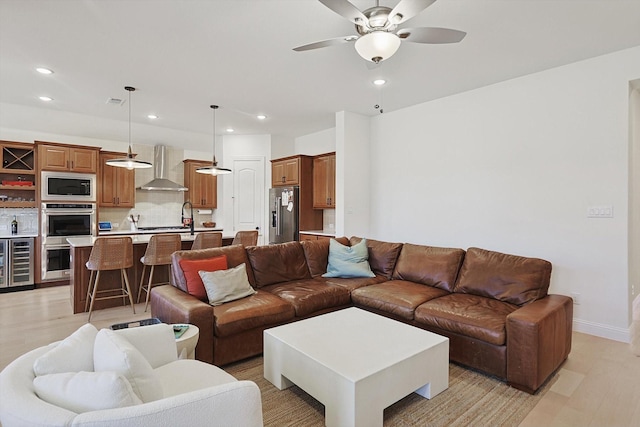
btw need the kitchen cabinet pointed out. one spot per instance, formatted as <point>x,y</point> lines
<point>116,186</point>
<point>67,158</point>
<point>305,236</point>
<point>298,171</point>
<point>203,188</point>
<point>286,171</point>
<point>17,175</point>
<point>324,181</point>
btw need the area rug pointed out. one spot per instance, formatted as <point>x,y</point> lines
<point>472,399</point>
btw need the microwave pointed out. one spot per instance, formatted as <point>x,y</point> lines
<point>68,186</point>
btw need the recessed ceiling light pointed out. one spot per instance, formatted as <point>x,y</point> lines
<point>379,82</point>
<point>261,116</point>
<point>152,116</point>
<point>43,70</point>
<point>230,130</point>
<point>45,98</point>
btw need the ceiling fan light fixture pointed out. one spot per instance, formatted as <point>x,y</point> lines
<point>129,161</point>
<point>214,169</point>
<point>377,46</point>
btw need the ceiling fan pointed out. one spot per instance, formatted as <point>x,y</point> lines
<point>377,27</point>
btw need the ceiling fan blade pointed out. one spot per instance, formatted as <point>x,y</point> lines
<point>431,35</point>
<point>346,9</point>
<point>407,9</point>
<point>325,43</point>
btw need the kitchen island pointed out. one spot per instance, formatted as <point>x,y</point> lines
<point>79,276</point>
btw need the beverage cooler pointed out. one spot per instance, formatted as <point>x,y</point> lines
<point>16,262</point>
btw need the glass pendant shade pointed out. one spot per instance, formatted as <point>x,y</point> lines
<point>377,46</point>
<point>129,161</point>
<point>214,169</point>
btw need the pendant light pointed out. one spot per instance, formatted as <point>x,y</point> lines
<point>214,169</point>
<point>129,162</point>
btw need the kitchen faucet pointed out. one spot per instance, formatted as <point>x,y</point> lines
<point>191,226</point>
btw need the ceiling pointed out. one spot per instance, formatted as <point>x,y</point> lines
<point>183,55</point>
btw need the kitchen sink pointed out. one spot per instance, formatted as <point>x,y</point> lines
<point>168,227</point>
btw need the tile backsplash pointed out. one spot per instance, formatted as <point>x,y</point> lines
<point>156,208</point>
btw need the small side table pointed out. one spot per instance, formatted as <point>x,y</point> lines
<point>188,341</point>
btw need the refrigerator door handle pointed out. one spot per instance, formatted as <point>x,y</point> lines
<point>278,231</point>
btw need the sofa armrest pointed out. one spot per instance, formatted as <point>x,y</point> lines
<point>231,404</point>
<point>171,305</point>
<point>538,340</point>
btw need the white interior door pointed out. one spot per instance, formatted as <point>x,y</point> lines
<point>248,195</point>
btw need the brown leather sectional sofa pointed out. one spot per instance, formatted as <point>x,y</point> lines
<point>493,307</point>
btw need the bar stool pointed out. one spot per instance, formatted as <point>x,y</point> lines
<point>211,239</point>
<point>109,253</point>
<point>158,252</point>
<point>246,238</point>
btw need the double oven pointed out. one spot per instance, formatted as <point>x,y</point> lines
<point>68,210</point>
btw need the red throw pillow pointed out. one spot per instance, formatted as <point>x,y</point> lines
<point>190,268</point>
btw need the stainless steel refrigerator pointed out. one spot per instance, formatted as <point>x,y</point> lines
<point>283,204</point>
<point>16,262</point>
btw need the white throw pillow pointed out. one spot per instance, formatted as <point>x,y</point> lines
<point>86,391</point>
<point>113,352</point>
<point>73,354</point>
<point>226,285</point>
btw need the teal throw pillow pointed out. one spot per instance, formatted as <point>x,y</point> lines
<point>348,261</point>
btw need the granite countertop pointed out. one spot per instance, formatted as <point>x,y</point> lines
<point>328,233</point>
<point>5,235</point>
<point>87,241</point>
<point>170,230</point>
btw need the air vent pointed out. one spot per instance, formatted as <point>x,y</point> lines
<point>115,101</point>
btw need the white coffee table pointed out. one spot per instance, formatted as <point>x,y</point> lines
<point>356,363</point>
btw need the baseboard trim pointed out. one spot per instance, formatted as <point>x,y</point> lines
<point>603,331</point>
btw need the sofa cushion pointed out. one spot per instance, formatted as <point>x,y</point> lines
<point>278,263</point>
<point>235,254</point>
<point>311,295</point>
<point>113,352</point>
<point>382,255</point>
<point>397,297</point>
<point>353,282</point>
<point>86,391</point>
<point>156,343</point>
<point>469,315</point>
<point>429,265</point>
<point>316,252</point>
<point>226,285</point>
<point>191,269</point>
<point>73,354</point>
<point>348,261</point>
<point>262,309</point>
<point>510,278</point>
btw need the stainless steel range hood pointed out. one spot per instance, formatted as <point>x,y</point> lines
<point>160,181</point>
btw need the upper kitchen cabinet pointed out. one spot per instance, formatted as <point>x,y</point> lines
<point>203,188</point>
<point>116,185</point>
<point>324,181</point>
<point>67,158</point>
<point>17,175</point>
<point>286,171</point>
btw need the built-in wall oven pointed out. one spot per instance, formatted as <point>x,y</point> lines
<point>60,221</point>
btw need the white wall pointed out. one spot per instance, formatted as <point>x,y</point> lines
<point>513,167</point>
<point>316,143</point>
<point>353,178</point>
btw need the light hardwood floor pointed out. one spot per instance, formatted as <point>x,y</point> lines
<point>599,385</point>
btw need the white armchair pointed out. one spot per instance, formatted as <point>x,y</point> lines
<point>178,392</point>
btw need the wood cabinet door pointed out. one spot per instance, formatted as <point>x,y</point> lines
<point>83,160</point>
<point>291,171</point>
<point>53,158</point>
<point>324,182</point>
<point>116,185</point>
<point>277,174</point>
<point>307,237</point>
<point>203,188</point>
